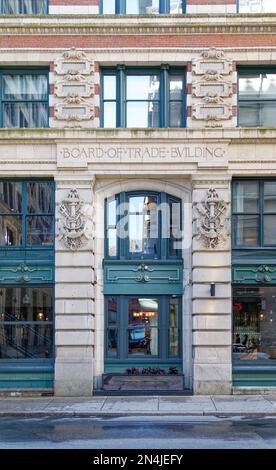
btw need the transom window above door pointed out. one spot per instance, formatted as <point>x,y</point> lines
<point>24,7</point>
<point>143,225</point>
<point>142,7</point>
<point>143,97</point>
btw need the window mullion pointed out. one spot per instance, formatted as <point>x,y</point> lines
<point>24,212</point>
<point>261,214</point>
<point>121,101</point>
<point>164,96</point>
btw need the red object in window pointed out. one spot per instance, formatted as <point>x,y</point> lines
<point>237,307</point>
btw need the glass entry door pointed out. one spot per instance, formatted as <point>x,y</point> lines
<point>143,328</point>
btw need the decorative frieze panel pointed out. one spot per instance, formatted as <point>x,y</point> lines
<point>26,274</point>
<point>153,278</point>
<point>76,221</point>
<point>254,274</point>
<point>74,89</point>
<point>211,218</point>
<point>212,89</point>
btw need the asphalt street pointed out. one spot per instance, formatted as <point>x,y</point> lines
<point>138,433</point>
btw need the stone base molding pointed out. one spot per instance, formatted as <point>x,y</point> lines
<point>212,370</point>
<point>74,294</point>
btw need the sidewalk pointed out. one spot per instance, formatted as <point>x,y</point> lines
<point>256,405</point>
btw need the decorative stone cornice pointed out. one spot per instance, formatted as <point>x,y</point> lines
<point>94,25</point>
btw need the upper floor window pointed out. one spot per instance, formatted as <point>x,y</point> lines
<point>254,213</point>
<point>24,98</point>
<point>256,6</point>
<point>142,7</point>
<point>134,97</point>
<point>143,225</point>
<point>257,97</point>
<point>24,7</point>
<point>26,213</point>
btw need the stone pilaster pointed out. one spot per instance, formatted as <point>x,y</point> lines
<point>74,291</point>
<point>211,264</point>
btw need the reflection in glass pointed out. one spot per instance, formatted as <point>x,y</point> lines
<point>174,327</point>
<point>25,323</point>
<point>257,6</point>
<point>26,304</point>
<point>269,230</point>
<point>10,230</point>
<point>25,87</point>
<point>175,114</point>
<point>142,114</point>
<point>26,341</point>
<point>10,196</point>
<point>109,114</point>
<point>109,87</point>
<point>143,225</point>
<point>112,342</point>
<point>142,7</point>
<point>39,197</point>
<point>254,331</point>
<point>108,7</point>
<point>246,197</point>
<point>257,114</point>
<point>269,196</point>
<point>143,326</point>
<point>176,6</point>
<point>247,230</point>
<point>25,115</point>
<point>40,230</point>
<point>175,235</point>
<point>142,87</point>
<point>24,7</point>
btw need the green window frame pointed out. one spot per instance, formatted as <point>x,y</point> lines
<point>256,221</point>
<point>169,223</point>
<point>36,108</point>
<point>168,329</point>
<point>20,214</point>
<point>119,7</point>
<point>118,102</point>
<point>23,7</point>
<point>257,106</point>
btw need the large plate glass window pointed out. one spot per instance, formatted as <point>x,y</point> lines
<point>26,322</point>
<point>143,98</point>
<point>254,325</point>
<point>26,213</point>
<point>24,98</point>
<point>142,7</point>
<point>257,97</point>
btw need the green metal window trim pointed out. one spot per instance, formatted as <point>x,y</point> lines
<point>163,331</point>
<point>164,7</point>
<point>46,2</point>
<point>24,214</point>
<point>123,244</point>
<point>165,71</point>
<point>244,69</point>
<point>260,214</point>
<point>24,71</point>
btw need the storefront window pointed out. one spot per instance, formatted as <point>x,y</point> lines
<point>26,322</point>
<point>143,326</point>
<point>254,325</point>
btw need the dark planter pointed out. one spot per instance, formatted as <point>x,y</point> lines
<point>147,383</point>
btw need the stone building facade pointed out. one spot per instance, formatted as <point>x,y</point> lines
<point>102,105</point>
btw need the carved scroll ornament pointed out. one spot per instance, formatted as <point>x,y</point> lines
<point>212,220</point>
<point>76,226</point>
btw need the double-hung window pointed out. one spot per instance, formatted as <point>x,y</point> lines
<point>142,7</point>
<point>254,213</point>
<point>257,96</point>
<point>23,7</point>
<point>24,96</point>
<point>150,97</point>
<point>256,6</point>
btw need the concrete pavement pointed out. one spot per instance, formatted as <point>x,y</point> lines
<point>236,405</point>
